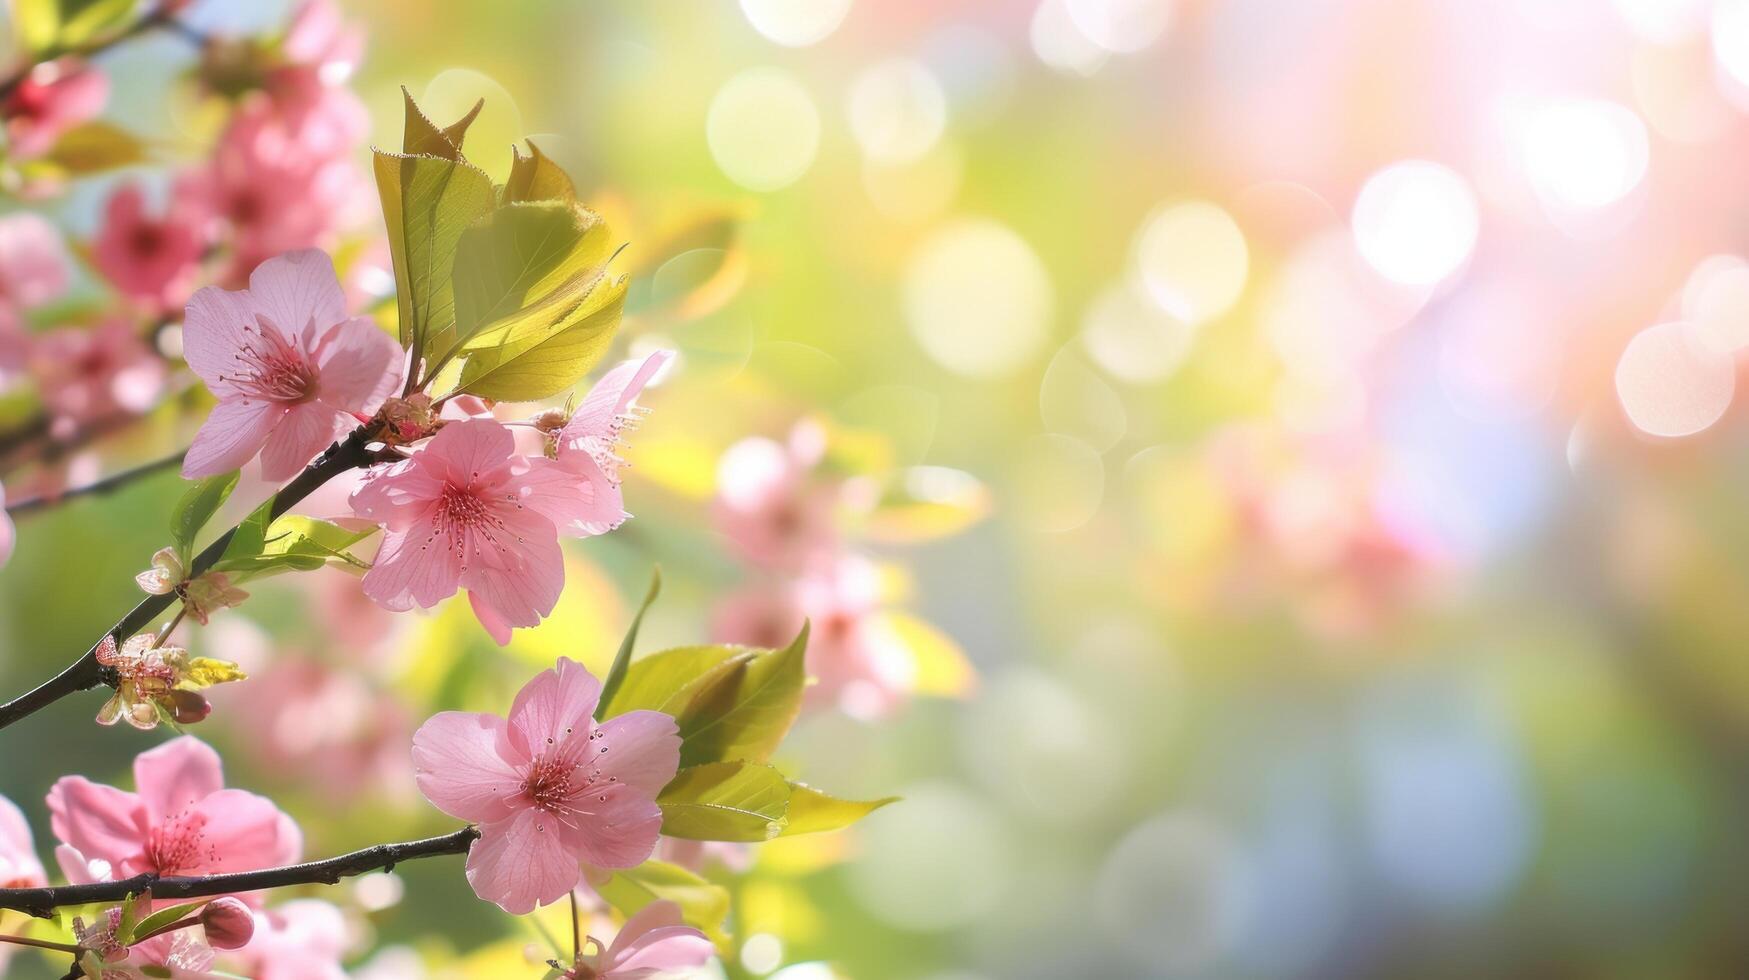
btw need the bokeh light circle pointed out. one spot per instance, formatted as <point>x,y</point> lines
<point>763,129</point>
<point>1173,894</point>
<point>1058,483</point>
<point>1192,259</point>
<point>1060,44</point>
<point>1415,222</point>
<point>795,23</point>
<point>1131,339</point>
<point>977,298</point>
<point>935,864</point>
<point>1671,385</point>
<point>1715,303</point>
<point>897,110</point>
<point>1584,154</point>
<point>1120,25</point>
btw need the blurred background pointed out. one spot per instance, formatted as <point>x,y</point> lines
<point>1294,441</point>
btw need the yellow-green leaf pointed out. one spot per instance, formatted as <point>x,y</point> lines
<point>422,137</point>
<point>86,20</point>
<point>811,811</point>
<point>537,178</point>
<point>744,712</point>
<point>666,681</point>
<point>197,506</point>
<point>519,254</point>
<point>731,801</point>
<point>201,672</point>
<point>616,673</point>
<point>96,146</point>
<point>703,905</point>
<point>546,348</point>
<point>36,23</point>
<point>428,201</point>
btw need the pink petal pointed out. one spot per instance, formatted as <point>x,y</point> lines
<point>643,750</point>
<point>242,832</point>
<point>34,268</point>
<point>298,291</point>
<point>8,534</point>
<point>556,704</point>
<point>463,765</point>
<point>521,862</point>
<point>14,829</point>
<point>518,573</point>
<point>176,775</point>
<point>655,941</point>
<point>18,860</point>
<point>297,437</point>
<point>100,821</point>
<point>471,449</point>
<point>573,492</point>
<point>417,566</point>
<point>213,334</point>
<point>395,494</point>
<point>359,366</point>
<point>612,395</point>
<point>490,620</point>
<point>620,832</point>
<point>79,869</point>
<point>233,433</point>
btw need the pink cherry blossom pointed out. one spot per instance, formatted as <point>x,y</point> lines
<point>56,96</point>
<point>182,821</point>
<point>549,787</point>
<point>651,943</point>
<point>154,260</point>
<point>227,923</point>
<point>176,955</point>
<point>585,447</point>
<point>290,370</point>
<point>34,268</point>
<point>465,512</point>
<point>771,507</point>
<point>86,374</point>
<point>19,865</point>
<point>7,532</point>
<point>303,939</point>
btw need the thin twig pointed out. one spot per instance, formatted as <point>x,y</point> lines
<point>86,673</point>
<point>42,902</point>
<point>114,481</point>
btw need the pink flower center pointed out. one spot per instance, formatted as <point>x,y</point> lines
<point>269,367</point>
<point>560,777</point>
<point>464,515</point>
<point>180,844</point>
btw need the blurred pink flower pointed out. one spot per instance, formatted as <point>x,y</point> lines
<point>856,661</point>
<point>8,534</point>
<point>181,822</point>
<point>702,855</point>
<point>549,788</point>
<point>84,374</point>
<point>652,942</point>
<point>290,370</point>
<point>56,96</point>
<point>19,865</point>
<point>34,268</point>
<point>303,939</point>
<point>465,512</point>
<point>770,506</point>
<point>586,446</point>
<point>330,727</point>
<point>154,260</point>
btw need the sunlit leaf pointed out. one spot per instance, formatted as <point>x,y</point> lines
<point>96,146</point>
<point>520,254</point>
<point>742,713</point>
<point>703,905</point>
<point>36,23</point>
<point>157,920</point>
<point>811,811</point>
<point>928,502</point>
<point>666,681</point>
<point>939,667</point>
<point>84,20</point>
<point>201,672</point>
<point>730,801</point>
<point>428,201</point>
<point>536,178</point>
<point>422,137</point>
<point>198,505</point>
<point>540,351</point>
<point>616,674</point>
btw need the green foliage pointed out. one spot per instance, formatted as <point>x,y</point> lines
<point>159,919</point>
<point>511,281</point>
<point>729,801</point>
<point>47,26</point>
<point>95,147</point>
<point>197,506</point>
<point>702,904</point>
<point>666,681</point>
<point>616,674</point>
<point>811,811</point>
<point>745,710</point>
<point>293,542</point>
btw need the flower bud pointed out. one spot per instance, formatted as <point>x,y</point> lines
<point>187,707</point>
<point>227,922</point>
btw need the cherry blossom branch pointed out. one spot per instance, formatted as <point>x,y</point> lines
<point>86,673</point>
<point>163,16</point>
<point>42,902</point>
<point>114,481</point>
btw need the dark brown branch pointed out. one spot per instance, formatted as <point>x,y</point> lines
<point>114,481</point>
<point>42,902</point>
<point>86,673</point>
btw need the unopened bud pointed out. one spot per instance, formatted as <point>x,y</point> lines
<point>188,707</point>
<point>228,923</point>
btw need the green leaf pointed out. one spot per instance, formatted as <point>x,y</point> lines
<point>743,712</point>
<point>428,201</point>
<point>291,543</point>
<point>250,536</point>
<point>36,23</point>
<point>540,351</point>
<point>198,505</point>
<point>85,20</point>
<point>422,137</point>
<point>667,681</point>
<point>811,811</point>
<point>163,917</point>
<point>703,905</point>
<point>616,674</point>
<point>732,801</point>
<point>520,254</point>
<point>96,146</point>
<point>536,178</point>
<point>204,672</point>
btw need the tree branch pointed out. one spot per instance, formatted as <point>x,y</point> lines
<point>42,902</point>
<point>114,481</point>
<point>161,17</point>
<point>86,673</point>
